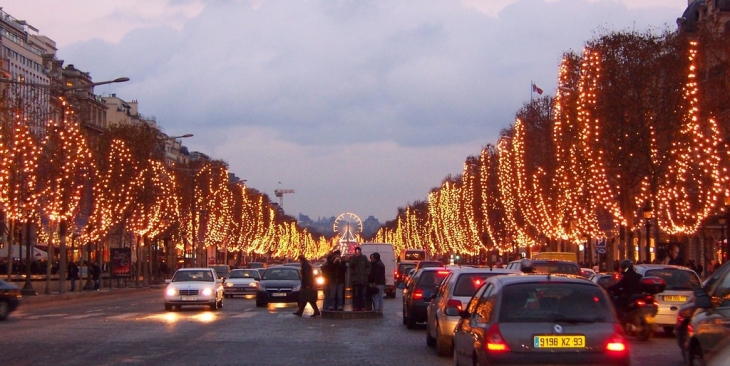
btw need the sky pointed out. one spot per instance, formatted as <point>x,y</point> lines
<point>358,106</point>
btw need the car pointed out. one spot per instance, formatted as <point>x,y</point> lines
<point>255,265</point>
<point>318,276</point>
<point>9,299</point>
<point>545,266</point>
<point>241,282</point>
<point>221,270</point>
<point>604,279</point>
<point>194,286</point>
<point>587,272</point>
<point>702,330</point>
<point>539,319</point>
<point>401,272</point>
<point>455,291</point>
<point>418,293</point>
<point>279,284</point>
<point>681,283</point>
<point>426,264</point>
<point>261,271</point>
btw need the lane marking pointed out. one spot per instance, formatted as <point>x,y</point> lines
<point>84,316</point>
<point>123,316</point>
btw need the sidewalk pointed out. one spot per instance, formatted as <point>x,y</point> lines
<point>43,298</point>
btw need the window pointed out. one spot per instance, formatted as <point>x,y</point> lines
<point>677,279</point>
<point>485,306</point>
<point>552,302</point>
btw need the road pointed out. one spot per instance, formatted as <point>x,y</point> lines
<point>134,329</point>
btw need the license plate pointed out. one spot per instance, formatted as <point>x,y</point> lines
<point>675,298</point>
<point>189,298</point>
<point>278,294</point>
<point>562,341</point>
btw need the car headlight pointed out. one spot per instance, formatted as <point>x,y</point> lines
<point>229,284</point>
<point>206,291</point>
<point>253,284</point>
<point>297,288</point>
<point>320,280</point>
<point>171,291</point>
<point>316,272</point>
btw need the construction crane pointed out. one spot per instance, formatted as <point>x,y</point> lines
<point>280,193</point>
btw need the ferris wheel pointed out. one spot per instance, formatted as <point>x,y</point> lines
<point>347,227</point>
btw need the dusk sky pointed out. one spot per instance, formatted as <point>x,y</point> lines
<point>359,106</point>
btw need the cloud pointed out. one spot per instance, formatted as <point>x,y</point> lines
<point>352,103</point>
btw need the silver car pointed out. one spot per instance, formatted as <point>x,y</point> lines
<point>241,282</point>
<point>455,291</point>
<point>681,283</point>
<point>194,286</point>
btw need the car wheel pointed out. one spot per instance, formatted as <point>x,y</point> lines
<point>696,358</point>
<point>168,307</point>
<point>443,348</point>
<point>4,310</point>
<point>668,331</point>
<point>430,341</point>
<point>645,331</point>
<point>214,305</point>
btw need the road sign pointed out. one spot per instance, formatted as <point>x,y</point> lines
<point>601,243</point>
<point>600,250</point>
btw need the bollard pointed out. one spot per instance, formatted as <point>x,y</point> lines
<point>348,290</point>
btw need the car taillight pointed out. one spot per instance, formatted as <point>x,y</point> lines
<point>442,273</point>
<point>617,343</point>
<point>418,294</point>
<point>640,303</point>
<point>453,303</point>
<point>494,341</point>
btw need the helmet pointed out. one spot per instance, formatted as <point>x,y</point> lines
<point>626,265</point>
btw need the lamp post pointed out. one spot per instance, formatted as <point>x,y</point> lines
<point>28,287</point>
<point>647,219</point>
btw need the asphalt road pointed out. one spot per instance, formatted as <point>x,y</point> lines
<point>132,328</point>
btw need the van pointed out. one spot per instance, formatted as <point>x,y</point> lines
<point>387,256</point>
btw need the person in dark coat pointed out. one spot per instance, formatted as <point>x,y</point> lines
<point>308,292</point>
<point>359,272</point>
<point>335,273</point>
<point>377,281</point>
<point>627,286</point>
<point>96,275</point>
<point>73,274</point>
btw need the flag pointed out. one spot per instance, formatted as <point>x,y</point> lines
<point>536,89</point>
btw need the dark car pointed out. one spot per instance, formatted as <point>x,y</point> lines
<point>428,264</point>
<point>9,299</point>
<point>539,319</point>
<point>401,272</point>
<point>221,270</point>
<point>546,266</point>
<point>418,292</point>
<point>702,322</point>
<point>279,284</point>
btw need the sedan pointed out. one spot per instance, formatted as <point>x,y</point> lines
<point>455,291</point>
<point>194,286</point>
<point>241,282</point>
<point>280,284</point>
<point>9,299</point>
<point>681,283</point>
<point>539,319</point>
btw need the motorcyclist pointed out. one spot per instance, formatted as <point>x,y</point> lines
<point>627,286</point>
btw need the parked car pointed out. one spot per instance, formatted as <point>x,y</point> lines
<point>455,291</point>
<point>418,293</point>
<point>681,283</point>
<point>702,323</point>
<point>539,319</point>
<point>279,284</point>
<point>194,286</point>
<point>9,298</point>
<point>241,282</point>
<point>545,266</point>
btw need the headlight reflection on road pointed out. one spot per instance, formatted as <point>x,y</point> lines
<point>172,318</point>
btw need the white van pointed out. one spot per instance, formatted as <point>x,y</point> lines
<point>387,256</point>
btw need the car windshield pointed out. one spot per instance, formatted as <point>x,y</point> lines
<point>244,274</point>
<point>565,268</point>
<point>403,268</point>
<point>431,279</point>
<point>468,283</point>
<point>187,276</point>
<point>281,274</point>
<point>554,302</point>
<point>677,279</point>
<point>255,265</point>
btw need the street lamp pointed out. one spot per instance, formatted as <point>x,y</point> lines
<point>647,219</point>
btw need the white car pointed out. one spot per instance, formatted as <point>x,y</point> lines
<point>455,291</point>
<point>681,283</point>
<point>241,282</point>
<point>194,286</point>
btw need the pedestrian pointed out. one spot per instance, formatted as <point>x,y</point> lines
<point>377,281</point>
<point>359,272</point>
<point>335,272</point>
<point>73,274</point>
<point>672,255</point>
<point>96,275</point>
<point>308,291</point>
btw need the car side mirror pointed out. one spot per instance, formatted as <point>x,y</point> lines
<point>452,311</point>
<point>703,301</point>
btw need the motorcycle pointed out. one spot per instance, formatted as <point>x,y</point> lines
<point>637,316</point>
